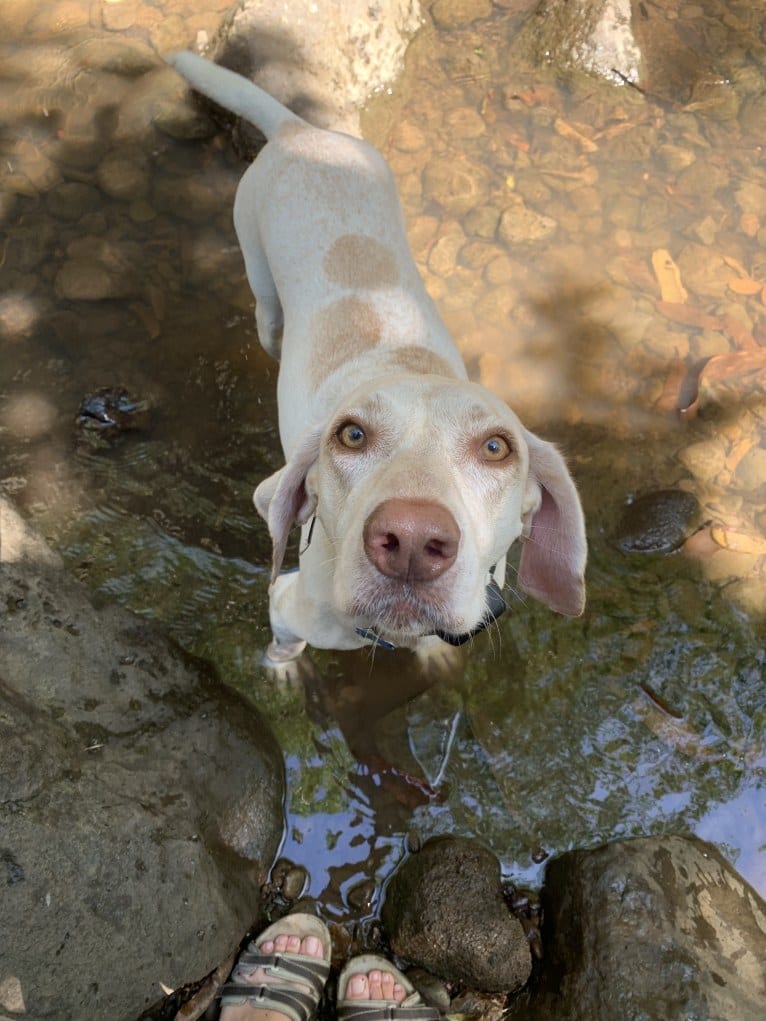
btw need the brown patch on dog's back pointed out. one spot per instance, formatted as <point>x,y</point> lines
<point>360,263</point>
<point>343,330</point>
<point>421,360</point>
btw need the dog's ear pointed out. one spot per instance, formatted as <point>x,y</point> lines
<point>554,547</point>
<point>283,500</point>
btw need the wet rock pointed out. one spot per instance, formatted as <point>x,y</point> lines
<point>71,200</point>
<point>159,100</point>
<point>521,225</point>
<point>750,473</point>
<point>456,13</point>
<point>324,65</point>
<point>112,410</point>
<point>123,177</point>
<point>658,522</point>
<point>121,55</point>
<point>443,255</point>
<point>705,272</point>
<point>595,35</point>
<point>705,460</point>
<point>675,157</point>
<point>444,910</point>
<point>457,187</point>
<point>140,801</point>
<point>482,221</point>
<point>665,923</point>
<point>89,280</point>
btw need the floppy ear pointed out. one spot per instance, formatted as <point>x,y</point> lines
<point>282,499</point>
<point>554,548</point>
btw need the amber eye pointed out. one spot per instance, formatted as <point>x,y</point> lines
<point>495,448</point>
<point>352,436</point>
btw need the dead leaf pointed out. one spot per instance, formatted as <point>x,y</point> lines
<point>736,265</point>
<point>741,369</point>
<point>745,285</point>
<point>687,315</point>
<point>566,130</point>
<point>738,542</point>
<point>739,334</point>
<point>668,277</point>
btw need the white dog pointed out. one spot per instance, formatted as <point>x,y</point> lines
<point>410,481</point>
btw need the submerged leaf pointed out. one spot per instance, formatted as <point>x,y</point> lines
<point>668,277</point>
<point>740,369</point>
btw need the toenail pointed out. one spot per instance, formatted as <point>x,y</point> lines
<point>312,945</point>
<point>358,984</point>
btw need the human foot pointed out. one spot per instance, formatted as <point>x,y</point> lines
<point>370,988</point>
<point>281,975</point>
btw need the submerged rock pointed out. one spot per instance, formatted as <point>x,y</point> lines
<point>658,522</point>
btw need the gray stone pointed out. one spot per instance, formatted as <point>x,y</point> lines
<point>444,910</point>
<point>324,61</point>
<point>457,13</point>
<point>520,225</point>
<point>659,927</point>
<point>140,801</point>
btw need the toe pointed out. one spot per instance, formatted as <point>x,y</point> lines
<point>375,981</point>
<point>358,988</point>
<point>387,986</point>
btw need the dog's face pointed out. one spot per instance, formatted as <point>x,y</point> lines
<point>421,484</point>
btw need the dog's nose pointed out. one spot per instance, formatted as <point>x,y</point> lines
<point>411,540</point>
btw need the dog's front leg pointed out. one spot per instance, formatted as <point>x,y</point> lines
<point>284,615</point>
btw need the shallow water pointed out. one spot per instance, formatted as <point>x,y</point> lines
<point>648,714</point>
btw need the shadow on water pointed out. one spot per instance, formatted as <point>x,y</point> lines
<point>120,268</point>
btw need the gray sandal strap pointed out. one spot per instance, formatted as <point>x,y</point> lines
<point>280,994</point>
<point>360,1010</point>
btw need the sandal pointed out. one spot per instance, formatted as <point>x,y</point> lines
<point>411,1008</point>
<point>295,981</point>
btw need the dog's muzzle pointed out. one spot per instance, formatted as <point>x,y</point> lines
<point>496,605</point>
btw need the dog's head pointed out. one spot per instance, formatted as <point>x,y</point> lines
<point>421,485</point>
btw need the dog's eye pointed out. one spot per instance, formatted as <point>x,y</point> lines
<point>352,436</point>
<point>495,448</point>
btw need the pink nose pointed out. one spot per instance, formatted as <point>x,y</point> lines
<point>411,540</point>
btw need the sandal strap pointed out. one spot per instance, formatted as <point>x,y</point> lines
<point>280,993</point>
<point>379,1010</point>
<point>299,1006</point>
<point>284,967</point>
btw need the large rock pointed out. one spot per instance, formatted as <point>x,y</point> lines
<point>140,802</point>
<point>322,60</point>
<point>673,58</point>
<point>659,927</point>
<point>444,910</point>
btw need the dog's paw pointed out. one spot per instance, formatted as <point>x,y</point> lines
<point>285,663</point>
<point>436,658</point>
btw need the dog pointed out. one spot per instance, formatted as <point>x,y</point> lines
<point>410,482</point>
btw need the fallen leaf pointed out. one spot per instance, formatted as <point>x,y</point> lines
<point>739,334</point>
<point>736,265</point>
<point>738,542</point>
<point>740,368</point>
<point>566,130</point>
<point>689,316</point>
<point>668,277</point>
<point>745,285</point>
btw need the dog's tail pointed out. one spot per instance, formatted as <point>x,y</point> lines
<point>233,92</point>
